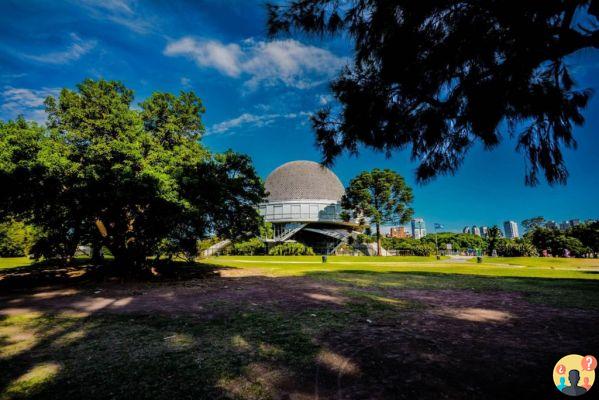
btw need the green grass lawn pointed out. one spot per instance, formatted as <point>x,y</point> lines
<point>14,262</point>
<point>332,259</point>
<point>544,262</point>
<point>500,267</point>
<point>247,351</point>
<point>563,286</point>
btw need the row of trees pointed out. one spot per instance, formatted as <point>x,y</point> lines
<point>579,241</point>
<point>136,180</point>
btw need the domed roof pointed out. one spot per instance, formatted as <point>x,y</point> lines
<point>303,180</point>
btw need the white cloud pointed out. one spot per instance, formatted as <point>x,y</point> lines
<point>288,62</point>
<point>26,102</point>
<point>119,6</point>
<point>121,12</point>
<point>213,54</point>
<point>76,49</point>
<point>252,121</point>
<point>324,99</point>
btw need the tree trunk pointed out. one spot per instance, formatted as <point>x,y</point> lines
<point>378,239</point>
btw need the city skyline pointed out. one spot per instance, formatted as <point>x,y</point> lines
<point>258,105</point>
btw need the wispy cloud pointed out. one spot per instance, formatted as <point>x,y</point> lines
<point>121,12</point>
<point>73,52</point>
<point>26,102</point>
<point>248,120</point>
<point>185,82</point>
<point>289,62</point>
<point>324,99</point>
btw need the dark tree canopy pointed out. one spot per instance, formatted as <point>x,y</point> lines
<point>441,75</point>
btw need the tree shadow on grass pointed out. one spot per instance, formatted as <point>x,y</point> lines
<point>83,271</point>
<point>562,292</point>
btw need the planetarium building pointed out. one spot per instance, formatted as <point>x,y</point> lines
<point>304,205</point>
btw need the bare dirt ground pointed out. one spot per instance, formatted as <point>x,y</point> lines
<point>455,344</point>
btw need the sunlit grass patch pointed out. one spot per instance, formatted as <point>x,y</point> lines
<point>14,262</point>
<point>32,381</point>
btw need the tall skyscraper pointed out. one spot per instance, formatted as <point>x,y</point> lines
<point>511,229</point>
<point>475,230</point>
<point>466,229</point>
<point>484,231</point>
<point>418,228</point>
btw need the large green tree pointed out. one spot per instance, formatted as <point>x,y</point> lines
<point>441,75</point>
<point>126,178</point>
<point>378,196</point>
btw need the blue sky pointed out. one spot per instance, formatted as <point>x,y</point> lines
<point>259,94</point>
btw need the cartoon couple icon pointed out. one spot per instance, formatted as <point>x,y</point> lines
<point>573,389</point>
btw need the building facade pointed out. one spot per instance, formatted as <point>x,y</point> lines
<point>304,205</point>
<point>418,228</point>
<point>511,229</point>
<point>484,231</point>
<point>398,232</point>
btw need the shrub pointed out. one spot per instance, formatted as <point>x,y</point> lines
<point>16,239</point>
<point>291,249</point>
<point>364,238</point>
<point>413,246</point>
<point>249,247</point>
<point>510,248</point>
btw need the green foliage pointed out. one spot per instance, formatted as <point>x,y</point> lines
<point>249,247</point>
<point>380,196</point>
<point>137,181</point>
<point>587,234</point>
<point>458,241</point>
<point>493,237</point>
<point>362,238</point>
<point>439,76</point>
<point>514,248</point>
<point>291,249</point>
<point>266,230</point>
<point>414,246</point>
<point>16,238</point>
<point>557,242</point>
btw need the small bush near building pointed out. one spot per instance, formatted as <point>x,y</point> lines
<point>291,249</point>
<point>249,247</point>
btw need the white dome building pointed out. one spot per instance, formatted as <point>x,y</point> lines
<point>303,204</point>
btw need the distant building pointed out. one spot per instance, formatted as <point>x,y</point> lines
<point>466,229</point>
<point>475,230</point>
<point>574,222</point>
<point>511,229</point>
<point>564,225</point>
<point>304,205</point>
<point>418,228</point>
<point>484,231</point>
<point>551,225</point>
<point>398,232</point>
